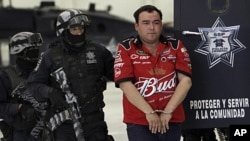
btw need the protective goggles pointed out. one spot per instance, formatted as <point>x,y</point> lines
<point>35,39</point>
<point>78,20</point>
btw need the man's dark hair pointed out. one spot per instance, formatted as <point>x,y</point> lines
<point>148,8</point>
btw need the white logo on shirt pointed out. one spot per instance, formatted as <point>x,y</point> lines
<point>149,86</point>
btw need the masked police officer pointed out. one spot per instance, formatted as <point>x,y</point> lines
<point>17,114</point>
<point>87,66</point>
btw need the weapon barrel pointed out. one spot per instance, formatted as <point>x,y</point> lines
<point>74,109</point>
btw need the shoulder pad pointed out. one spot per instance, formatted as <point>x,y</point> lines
<point>136,40</point>
<point>126,42</point>
<point>55,44</point>
<point>173,41</point>
<point>14,76</point>
<point>166,39</point>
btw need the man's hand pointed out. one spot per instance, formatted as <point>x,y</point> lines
<point>27,112</point>
<point>165,118</point>
<point>57,99</point>
<point>158,121</point>
<point>154,122</point>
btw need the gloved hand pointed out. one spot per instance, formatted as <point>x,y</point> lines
<point>27,112</point>
<point>57,99</point>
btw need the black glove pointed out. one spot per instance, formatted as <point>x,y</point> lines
<point>57,99</point>
<point>27,112</point>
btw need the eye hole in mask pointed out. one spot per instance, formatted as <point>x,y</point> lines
<point>30,54</point>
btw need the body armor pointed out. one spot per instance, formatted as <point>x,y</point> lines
<point>84,73</point>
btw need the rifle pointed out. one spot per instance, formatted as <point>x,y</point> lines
<point>74,109</point>
<point>22,92</point>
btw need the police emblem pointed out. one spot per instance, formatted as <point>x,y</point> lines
<point>91,58</point>
<point>219,43</point>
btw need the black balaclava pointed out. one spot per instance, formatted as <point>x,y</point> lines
<point>75,42</point>
<point>27,60</point>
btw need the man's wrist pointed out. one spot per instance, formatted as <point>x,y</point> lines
<point>159,111</point>
<point>166,112</point>
<point>148,113</point>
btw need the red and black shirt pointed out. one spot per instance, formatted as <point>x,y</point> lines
<point>155,77</point>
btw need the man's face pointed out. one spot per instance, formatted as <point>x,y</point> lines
<point>77,30</point>
<point>149,27</point>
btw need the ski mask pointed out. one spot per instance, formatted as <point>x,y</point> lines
<point>75,42</point>
<point>27,59</point>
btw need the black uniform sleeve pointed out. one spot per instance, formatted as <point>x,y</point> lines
<point>7,109</point>
<point>108,63</point>
<point>39,78</point>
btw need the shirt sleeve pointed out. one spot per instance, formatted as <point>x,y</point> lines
<point>183,62</point>
<point>108,64</point>
<point>123,68</point>
<point>39,78</point>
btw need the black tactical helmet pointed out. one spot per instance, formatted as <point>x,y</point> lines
<point>23,40</point>
<point>70,18</point>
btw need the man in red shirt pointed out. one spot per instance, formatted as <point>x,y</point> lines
<point>154,73</point>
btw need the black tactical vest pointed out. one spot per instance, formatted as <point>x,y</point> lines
<point>84,73</point>
<point>14,76</point>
